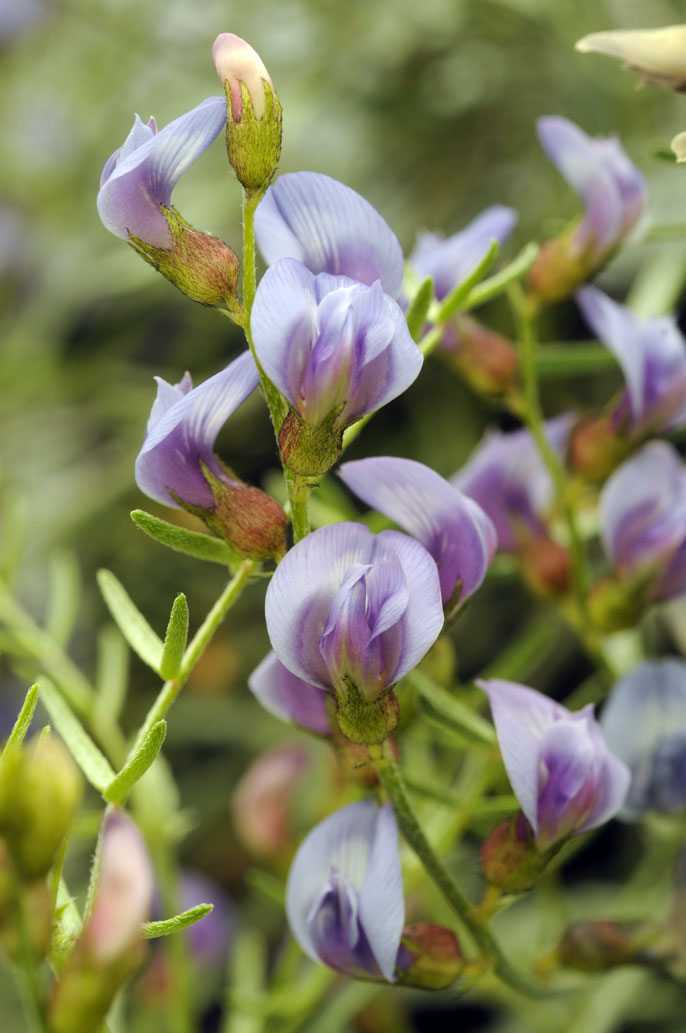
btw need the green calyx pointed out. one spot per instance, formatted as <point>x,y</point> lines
<point>254,144</point>
<point>366,721</point>
<point>310,451</point>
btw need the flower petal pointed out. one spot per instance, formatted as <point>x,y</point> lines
<point>289,697</point>
<point>330,228</point>
<point>382,901</point>
<point>619,330</point>
<point>182,434</point>
<point>143,178</point>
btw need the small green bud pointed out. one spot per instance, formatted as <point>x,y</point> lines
<point>310,451</point>
<point>597,447</point>
<point>203,267</point>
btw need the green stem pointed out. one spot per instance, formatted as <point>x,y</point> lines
<point>196,648</point>
<point>392,780</point>
<point>298,495</point>
<point>27,961</point>
<point>533,416</point>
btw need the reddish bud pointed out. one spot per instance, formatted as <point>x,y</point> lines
<point>481,356</point>
<point>509,858</point>
<point>429,957</point>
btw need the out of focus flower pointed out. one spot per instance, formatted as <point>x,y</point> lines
<point>262,797</point>
<point>289,697</point>
<point>134,203</point>
<point>449,261</point>
<point>450,525</point>
<point>351,613</point>
<point>330,229</point>
<point>210,938</point>
<point>562,773</point>
<point>344,897</point>
<point>484,358</point>
<point>643,519</point>
<point>614,195</point>
<point>336,349</point>
<point>644,723</point>
<point>177,465</point>
<point>253,127</point>
<point>652,354</point>
<point>658,55</point>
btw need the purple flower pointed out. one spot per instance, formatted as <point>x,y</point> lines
<point>609,184</point>
<point>138,179</point>
<point>644,723</point>
<point>183,425</point>
<point>562,773</point>
<point>349,609</point>
<point>643,519</point>
<point>331,345</point>
<point>509,480</point>
<point>652,354</point>
<point>449,261</point>
<point>330,229</point>
<point>289,697</point>
<point>451,527</point>
<point>344,896</point>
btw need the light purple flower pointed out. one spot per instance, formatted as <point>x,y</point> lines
<point>644,723</point>
<point>183,425</point>
<point>562,773</point>
<point>609,184</point>
<point>652,354</point>
<point>138,179</point>
<point>449,261</point>
<point>289,697</point>
<point>508,479</point>
<point>330,229</point>
<point>452,527</point>
<point>347,606</point>
<point>344,897</point>
<point>329,343</point>
<point>643,520</point>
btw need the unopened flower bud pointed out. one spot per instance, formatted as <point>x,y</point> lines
<point>658,55</point>
<point>546,566</point>
<point>429,957</point>
<point>484,358</point>
<point>253,127</point>
<point>261,802</point>
<point>599,946</point>
<point>203,267</point>
<point>509,858</point>
<point>595,448</point>
<point>614,604</point>
<point>40,790</point>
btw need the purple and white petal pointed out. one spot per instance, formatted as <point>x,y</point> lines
<point>180,433</point>
<point>288,697</point>
<point>329,228</point>
<point>138,179</point>
<point>382,901</point>
<point>453,528</point>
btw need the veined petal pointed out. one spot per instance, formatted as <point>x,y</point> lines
<point>620,331</point>
<point>382,902</point>
<point>289,697</point>
<point>450,260</point>
<point>330,228</point>
<point>453,528</point>
<point>342,843</point>
<point>142,178</point>
<point>185,433</point>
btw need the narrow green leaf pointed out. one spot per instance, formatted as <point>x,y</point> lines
<point>130,620</point>
<point>135,768</point>
<point>569,360</point>
<point>92,762</point>
<point>459,296</point>
<point>64,594</point>
<point>180,539</point>
<point>495,285</point>
<point>112,678</point>
<point>21,725</point>
<point>452,710</point>
<point>151,930</point>
<point>175,639</point>
<point>419,307</point>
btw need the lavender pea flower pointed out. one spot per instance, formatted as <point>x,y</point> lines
<point>329,228</point>
<point>288,697</point>
<point>644,723</point>
<point>344,897</point>
<point>351,613</point>
<point>613,192</point>
<point>177,465</point>
<point>643,519</point>
<point>452,527</point>
<point>562,773</point>
<point>336,349</point>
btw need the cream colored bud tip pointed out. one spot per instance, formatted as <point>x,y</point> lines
<point>660,54</point>
<point>678,145</point>
<point>236,62</point>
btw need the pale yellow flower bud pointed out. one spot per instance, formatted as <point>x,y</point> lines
<point>658,55</point>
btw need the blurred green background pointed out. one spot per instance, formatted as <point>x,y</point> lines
<point>428,109</point>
